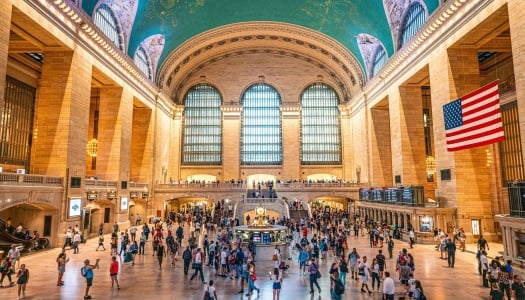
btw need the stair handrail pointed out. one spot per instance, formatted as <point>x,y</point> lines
<point>309,211</point>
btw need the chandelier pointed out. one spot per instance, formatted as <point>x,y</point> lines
<point>431,165</point>
<point>92,147</point>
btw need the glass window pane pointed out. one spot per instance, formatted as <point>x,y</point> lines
<point>106,21</point>
<point>202,129</point>
<point>320,129</point>
<point>414,20</point>
<point>261,136</point>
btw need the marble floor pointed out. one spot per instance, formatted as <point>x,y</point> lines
<point>145,281</point>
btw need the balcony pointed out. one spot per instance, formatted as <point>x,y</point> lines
<point>14,179</point>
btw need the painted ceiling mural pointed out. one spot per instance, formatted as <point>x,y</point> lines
<point>180,20</point>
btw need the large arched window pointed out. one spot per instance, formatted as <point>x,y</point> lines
<point>379,60</point>
<point>261,137</point>
<point>202,135</point>
<point>142,62</point>
<point>107,22</point>
<point>414,20</point>
<point>320,129</point>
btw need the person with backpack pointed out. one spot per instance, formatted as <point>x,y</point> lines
<point>5,269</point>
<point>23,278</point>
<point>381,262</point>
<point>87,272</point>
<point>418,292</point>
<point>337,288</point>
<point>186,257</point>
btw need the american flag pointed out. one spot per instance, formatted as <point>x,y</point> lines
<point>474,120</point>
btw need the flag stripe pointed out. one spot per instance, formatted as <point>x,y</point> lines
<point>496,123</point>
<point>477,123</point>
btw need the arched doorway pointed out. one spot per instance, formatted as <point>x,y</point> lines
<point>137,206</point>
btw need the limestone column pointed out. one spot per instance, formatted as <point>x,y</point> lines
<point>516,11</point>
<point>346,142</point>
<point>380,148</point>
<point>176,142</point>
<point>5,25</point>
<point>142,137</point>
<point>231,141</point>
<point>62,119</point>
<point>114,134</point>
<point>453,75</point>
<point>291,131</point>
<point>407,135</point>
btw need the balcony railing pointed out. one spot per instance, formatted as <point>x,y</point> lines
<point>96,183</point>
<point>30,179</point>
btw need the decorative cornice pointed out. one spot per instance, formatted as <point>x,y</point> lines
<point>197,50</point>
<point>77,25</point>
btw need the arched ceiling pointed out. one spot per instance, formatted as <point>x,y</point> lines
<point>181,21</point>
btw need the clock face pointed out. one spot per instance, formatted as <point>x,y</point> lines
<point>260,210</point>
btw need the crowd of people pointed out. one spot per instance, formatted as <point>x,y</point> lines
<point>202,244</point>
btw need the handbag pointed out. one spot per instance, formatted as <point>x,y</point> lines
<point>318,274</point>
<point>195,266</point>
<point>254,277</point>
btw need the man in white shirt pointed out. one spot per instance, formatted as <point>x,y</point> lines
<point>76,242</point>
<point>389,288</point>
<point>14,255</point>
<point>197,265</point>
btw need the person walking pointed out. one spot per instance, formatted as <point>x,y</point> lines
<point>277,279</point>
<point>76,242</point>
<point>343,270</point>
<point>5,269</point>
<point>87,272</point>
<point>161,253</point>
<point>251,279</point>
<point>61,265</point>
<point>389,288</point>
<point>211,291</point>
<point>101,243</point>
<point>336,286</point>
<point>364,269</point>
<point>14,256</point>
<point>313,270</point>
<point>23,278</point>
<point>451,252</point>
<point>418,291</point>
<point>113,272</point>
<point>197,265</point>
<point>186,257</point>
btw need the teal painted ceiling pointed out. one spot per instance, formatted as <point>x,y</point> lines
<point>180,20</point>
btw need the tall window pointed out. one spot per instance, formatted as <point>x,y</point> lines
<point>107,22</point>
<point>16,123</point>
<point>202,135</point>
<point>320,130</point>
<point>414,20</point>
<point>142,62</point>
<point>510,149</point>
<point>379,60</point>
<point>261,137</point>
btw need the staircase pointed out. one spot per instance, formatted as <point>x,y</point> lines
<point>298,214</point>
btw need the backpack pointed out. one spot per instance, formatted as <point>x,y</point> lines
<point>83,271</point>
<point>421,295</point>
<point>206,243</point>
<point>340,288</point>
<point>380,259</point>
<point>390,243</point>
<point>186,255</point>
<point>402,259</point>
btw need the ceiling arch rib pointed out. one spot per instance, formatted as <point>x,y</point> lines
<point>290,39</point>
